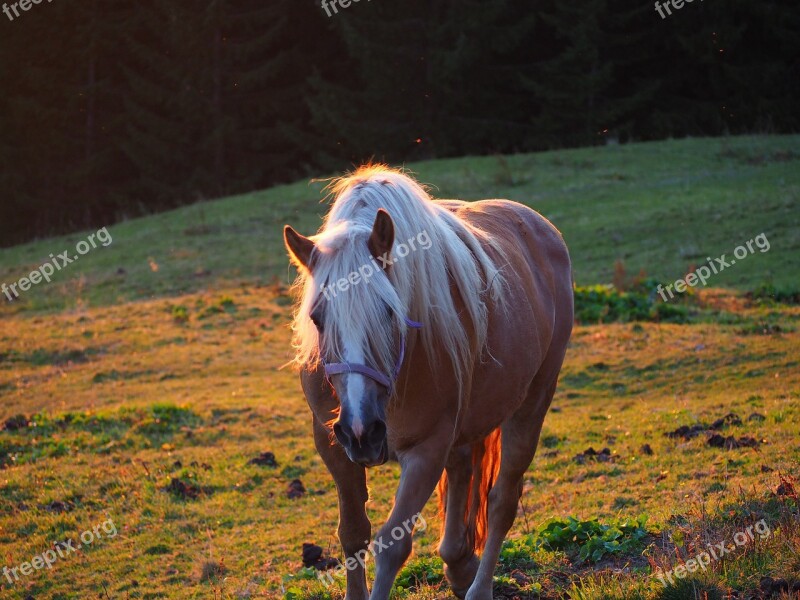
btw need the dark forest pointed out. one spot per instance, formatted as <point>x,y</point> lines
<point>115,109</point>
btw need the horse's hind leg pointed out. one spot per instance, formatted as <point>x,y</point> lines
<point>520,436</point>
<point>456,547</point>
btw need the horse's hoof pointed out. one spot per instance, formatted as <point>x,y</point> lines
<point>459,593</point>
<point>462,576</point>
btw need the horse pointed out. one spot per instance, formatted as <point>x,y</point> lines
<point>431,332</point>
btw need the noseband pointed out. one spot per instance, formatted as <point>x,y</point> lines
<point>346,367</point>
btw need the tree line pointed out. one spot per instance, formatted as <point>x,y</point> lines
<point>113,108</point>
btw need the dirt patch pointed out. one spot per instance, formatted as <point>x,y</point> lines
<point>58,507</point>
<point>770,587</point>
<point>295,490</point>
<point>313,557</point>
<point>687,432</point>
<point>265,459</point>
<point>731,442</point>
<point>183,490</point>
<point>592,455</point>
<point>16,423</point>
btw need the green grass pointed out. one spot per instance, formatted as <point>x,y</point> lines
<point>148,375</point>
<point>660,207</point>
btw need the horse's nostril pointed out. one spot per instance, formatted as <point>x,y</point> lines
<point>373,436</point>
<point>375,433</point>
<point>344,435</point>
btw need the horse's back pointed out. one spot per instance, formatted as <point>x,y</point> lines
<point>529,338</point>
<point>520,231</point>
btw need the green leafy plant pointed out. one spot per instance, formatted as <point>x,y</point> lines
<point>422,570</point>
<point>767,293</point>
<point>593,540</point>
<point>180,314</point>
<point>518,553</point>
<point>605,304</point>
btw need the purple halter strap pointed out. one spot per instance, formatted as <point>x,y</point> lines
<point>346,367</point>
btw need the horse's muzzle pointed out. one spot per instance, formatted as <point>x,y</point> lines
<point>370,448</point>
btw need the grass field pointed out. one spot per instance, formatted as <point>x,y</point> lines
<point>136,387</point>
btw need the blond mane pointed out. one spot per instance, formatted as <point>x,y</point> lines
<point>446,252</point>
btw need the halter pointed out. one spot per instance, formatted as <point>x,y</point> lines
<point>346,367</point>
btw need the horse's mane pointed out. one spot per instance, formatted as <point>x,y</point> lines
<point>417,286</point>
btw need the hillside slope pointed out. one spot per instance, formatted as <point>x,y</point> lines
<point>660,207</point>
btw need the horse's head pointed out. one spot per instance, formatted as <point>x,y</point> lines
<point>355,318</point>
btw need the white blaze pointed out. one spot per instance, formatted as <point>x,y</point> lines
<point>354,388</point>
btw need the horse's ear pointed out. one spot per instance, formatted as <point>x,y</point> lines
<point>299,247</point>
<point>382,236</point>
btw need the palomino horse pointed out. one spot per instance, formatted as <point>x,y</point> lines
<point>433,332</point>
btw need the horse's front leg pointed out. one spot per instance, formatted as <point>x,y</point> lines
<point>354,526</point>
<point>422,467</point>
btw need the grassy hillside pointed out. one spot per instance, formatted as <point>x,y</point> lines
<point>660,207</point>
<point>136,388</point>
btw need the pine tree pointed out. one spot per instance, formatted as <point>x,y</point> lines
<point>430,78</point>
<point>573,82</point>
<point>636,82</point>
<point>266,69</point>
<point>214,94</point>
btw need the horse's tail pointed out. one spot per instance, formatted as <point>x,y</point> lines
<point>485,465</point>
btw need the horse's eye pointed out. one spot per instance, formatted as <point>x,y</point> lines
<point>316,320</point>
